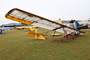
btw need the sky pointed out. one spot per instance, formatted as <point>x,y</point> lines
<point>50,9</point>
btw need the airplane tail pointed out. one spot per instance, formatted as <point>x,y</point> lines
<point>78,26</point>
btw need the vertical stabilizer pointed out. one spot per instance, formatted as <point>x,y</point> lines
<point>76,25</point>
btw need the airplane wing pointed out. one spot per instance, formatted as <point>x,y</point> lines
<point>30,18</point>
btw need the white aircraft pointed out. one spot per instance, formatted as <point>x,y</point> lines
<point>35,20</point>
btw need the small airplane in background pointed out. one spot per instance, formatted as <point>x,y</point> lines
<point>77,26</point>
<point>3,29</point>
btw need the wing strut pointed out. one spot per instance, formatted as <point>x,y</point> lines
<point>65,31</point>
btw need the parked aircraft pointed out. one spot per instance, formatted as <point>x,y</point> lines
<point>77,26</point>
<point>3,29</point>
<point>35,20</point>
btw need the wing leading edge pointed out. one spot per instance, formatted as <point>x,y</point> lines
<point>29,18</point>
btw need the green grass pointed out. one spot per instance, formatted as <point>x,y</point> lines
<point>16,45</point>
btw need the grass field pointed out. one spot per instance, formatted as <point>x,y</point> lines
<point>16,45</point>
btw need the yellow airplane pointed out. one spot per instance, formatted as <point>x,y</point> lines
<point>32,28</point>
